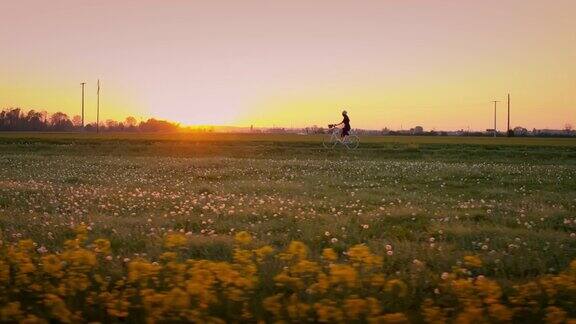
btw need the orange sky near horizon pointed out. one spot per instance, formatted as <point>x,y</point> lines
<point>434,63</point>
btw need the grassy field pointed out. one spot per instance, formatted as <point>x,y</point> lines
<point>212,227</point>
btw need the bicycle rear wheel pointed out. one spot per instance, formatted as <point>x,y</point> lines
<point>352,142</point>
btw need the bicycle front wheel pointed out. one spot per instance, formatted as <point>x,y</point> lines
<point>328,141</point>
<point>352,142</point>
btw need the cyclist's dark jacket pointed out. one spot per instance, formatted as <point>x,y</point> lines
<point>346,122</point>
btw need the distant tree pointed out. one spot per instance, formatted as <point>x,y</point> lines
<point>418,130</point>
<point>44,114</point>
<point>90,127</point>
<point>13,119</point>
<point>77,121</point>
<point>520,131</point>
<point>60,122</point>
<point>130,122</point>
<point>36,121</point>
<point>111,124</point>
<point>154,125</point>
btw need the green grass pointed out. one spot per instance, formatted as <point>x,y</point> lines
<point>434,199</point>
<point>216,137</point>
<point>455,149</point>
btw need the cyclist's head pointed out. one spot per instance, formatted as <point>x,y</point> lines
<point>344,112</point>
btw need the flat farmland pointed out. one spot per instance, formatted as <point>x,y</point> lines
<point>237,227</point>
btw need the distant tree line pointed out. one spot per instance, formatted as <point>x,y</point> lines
<point>17,119</point>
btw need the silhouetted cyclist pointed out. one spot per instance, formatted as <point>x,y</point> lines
<point>346,122</point>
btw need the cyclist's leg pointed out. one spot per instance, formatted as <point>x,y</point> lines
<point>344,134</point>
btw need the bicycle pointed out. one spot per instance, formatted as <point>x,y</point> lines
<point>333,138</point>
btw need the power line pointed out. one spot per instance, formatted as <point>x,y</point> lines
<point>470,104</point>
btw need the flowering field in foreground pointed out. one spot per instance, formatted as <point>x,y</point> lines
<point>260,283</point>
<point>164,231</point>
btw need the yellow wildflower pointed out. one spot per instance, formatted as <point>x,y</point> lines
<point>472,261</point>
<point>243,238</point>
<point>177,299</point>
<point>373,305</point>
<point>10,312</point>
<point>327,311</point>
<point>572,267</point>
<point>25,245</point>
<point>555,315</point>
<point>273,305</point>
<point>397,287</point>
<point>329,254</point>
<point>296,309</point>
<point>284,279</point>
<point>58,308</point>
<point>432,314</point>
<point>52,265</point>
<point>81,232</point>
<point>354,307</point>
<point>263,252</point>
<point>360,255</point>
<point>80,259</point>
<point>470,314</point>
<point>393,318</point>
<point>295,250</point>
<point>500,312</point>
<point>31,319</point>
<point>321,285</point>
<point>343,274</point>
<point>304,267</point>
<point>102,246</point>
<point>168,256</point>
<point>139,270</point>
<point>118,307</point>
<point>174,240</point>
<point>4,272</point>
<point>378,280</point>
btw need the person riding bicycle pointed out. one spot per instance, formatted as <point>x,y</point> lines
<point>346,122</point>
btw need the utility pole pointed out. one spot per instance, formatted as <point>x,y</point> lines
<point>509,131</point>
<point>83,83</point>
<point>98,108</point>
<point>495,102</point>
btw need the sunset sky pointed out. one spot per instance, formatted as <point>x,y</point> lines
<point>434,63</point>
